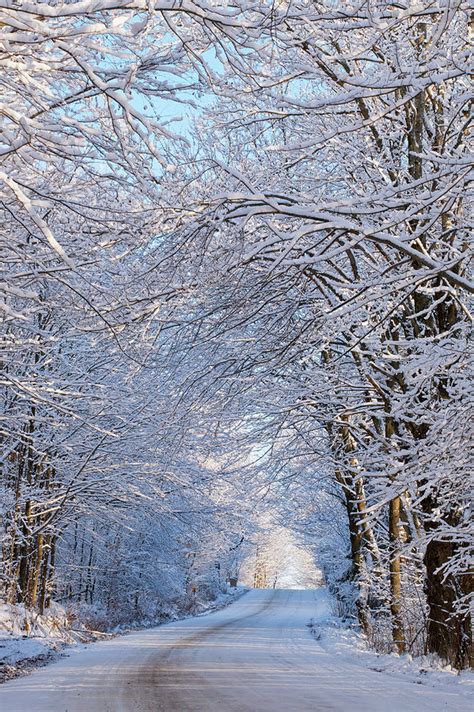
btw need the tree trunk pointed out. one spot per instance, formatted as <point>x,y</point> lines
<point>25,555</point>
<point>43,578</point>
<point>50,574</point>
<point>35,572</point>
<point>356,538</point>
<point>449,632</point>
<point>395,576</point>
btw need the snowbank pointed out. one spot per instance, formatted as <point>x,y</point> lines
<point>347,644</point>
<point>29,640</point>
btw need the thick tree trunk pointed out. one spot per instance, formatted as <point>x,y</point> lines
<point>449,633</point>
<point>354,506</point>
<point>361,536</point>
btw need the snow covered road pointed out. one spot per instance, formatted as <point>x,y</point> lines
<point>255,655</point>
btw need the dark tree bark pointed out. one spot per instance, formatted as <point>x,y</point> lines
<point>449,631</point>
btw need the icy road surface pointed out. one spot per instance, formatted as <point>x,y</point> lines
<point>256,655</point>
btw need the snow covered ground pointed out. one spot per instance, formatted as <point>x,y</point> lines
<point>257,654</point>
<point>29,641</point>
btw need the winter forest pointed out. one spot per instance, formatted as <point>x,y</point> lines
<point>236,331</point>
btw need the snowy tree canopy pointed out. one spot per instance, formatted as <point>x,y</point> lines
<point>236,260</point>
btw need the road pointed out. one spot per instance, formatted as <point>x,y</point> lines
<point>256,655</point>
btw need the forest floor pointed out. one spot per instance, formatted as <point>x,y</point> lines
<point>260,653</point>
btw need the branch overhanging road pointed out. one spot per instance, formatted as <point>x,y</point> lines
<point>256,655</point>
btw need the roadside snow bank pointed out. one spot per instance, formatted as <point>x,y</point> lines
<point>29,640</point>
<point>174,613</point>
<point>345,642</point>
<point>21,621</point>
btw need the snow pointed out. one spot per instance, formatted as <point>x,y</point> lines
<point>16,620</point>
<point>22,655</point>
<point>29,640</point>
<point>342,641</point>
<point>257,654</point>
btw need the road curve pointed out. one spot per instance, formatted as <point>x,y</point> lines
<point>257,655</point>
